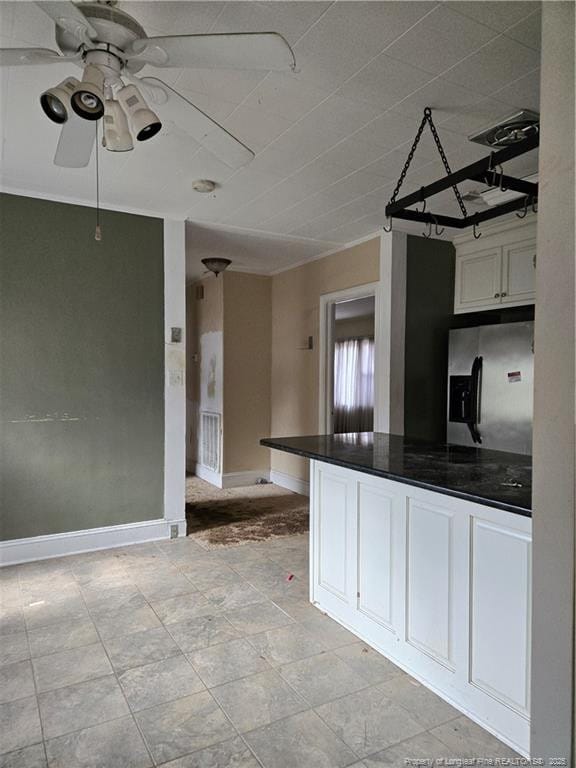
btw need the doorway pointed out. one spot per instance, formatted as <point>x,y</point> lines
<point>347,376</point>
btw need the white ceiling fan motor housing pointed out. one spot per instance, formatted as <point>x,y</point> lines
<point>114,27</point>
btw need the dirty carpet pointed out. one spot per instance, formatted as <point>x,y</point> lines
<point>222,517</point>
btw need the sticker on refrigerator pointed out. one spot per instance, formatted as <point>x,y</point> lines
<point>514,376</point>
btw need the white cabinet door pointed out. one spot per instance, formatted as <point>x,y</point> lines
<point>334,510</point>
<point>500,613</point>
<point>478,280</point>
<point>430,605</point>
<point>380,526</point>
<point>519,272</point>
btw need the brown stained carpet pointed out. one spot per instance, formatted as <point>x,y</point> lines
<point>221,518</point>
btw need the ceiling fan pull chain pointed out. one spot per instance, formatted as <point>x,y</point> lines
<point>97,231</point>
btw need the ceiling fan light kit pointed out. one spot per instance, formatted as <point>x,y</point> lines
<point>110,44</point>
<point>144,122</point>
<point>117,136</point>
<point>88,97</point>
<point>56,101</point>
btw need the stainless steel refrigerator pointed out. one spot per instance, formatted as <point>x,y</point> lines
<point>490,386</point>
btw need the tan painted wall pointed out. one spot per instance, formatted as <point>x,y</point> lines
<point>204,318</point>
<point>295,316</point>
<point>353,327</point>
<point>247,368</point>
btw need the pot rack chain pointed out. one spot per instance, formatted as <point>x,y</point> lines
<point>427,119</point>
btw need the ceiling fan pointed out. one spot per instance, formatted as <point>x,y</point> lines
<point>109,45</point>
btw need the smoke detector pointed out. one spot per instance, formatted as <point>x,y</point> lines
<point>511,130</point>
<point>204,185</point>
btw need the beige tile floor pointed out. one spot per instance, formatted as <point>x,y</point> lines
<point>167,654</point>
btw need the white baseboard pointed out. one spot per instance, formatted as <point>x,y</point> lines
<point>237,479</point>
<point>290,482</point>
<point>214,478</point>
<point>17,551</point>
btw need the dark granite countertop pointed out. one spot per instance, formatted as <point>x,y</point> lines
<point>495,478</point>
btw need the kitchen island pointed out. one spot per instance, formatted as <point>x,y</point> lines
<point>424,551</point>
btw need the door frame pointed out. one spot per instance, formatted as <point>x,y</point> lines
<point>326,345</point>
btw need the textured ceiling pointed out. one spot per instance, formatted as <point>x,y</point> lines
<point>330,139</point>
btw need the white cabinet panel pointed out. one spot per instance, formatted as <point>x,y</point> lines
<point>478,279</point>
<point>500,613</point>
<point>333,525</point>
<point>439,585</point>
<point>376,528</point>
<point>519,272</point>
<point>430,559</point>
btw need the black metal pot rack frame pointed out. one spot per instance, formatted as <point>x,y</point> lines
<point>486,171</point>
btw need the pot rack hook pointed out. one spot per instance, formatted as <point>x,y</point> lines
<point>534,205</point>
<point>389,227</point>
<point>525,211</point>
<point>474,232</point>
<point>423,199</point>
<point>429,233</point>
<point>437,231</point>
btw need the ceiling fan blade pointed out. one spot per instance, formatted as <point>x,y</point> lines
<point>202,128</point>
<point>69,17</point>
<point>75,144</point>
<point>267,50</point>
<point>16,57</point>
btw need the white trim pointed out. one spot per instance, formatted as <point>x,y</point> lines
<point>336,249</point>
<point>174,370</point>
<point>327,300</point>
<point>214,478</point>
<point>238,479</point>
<point>290,482</point>
<point>390,324</point>
<point>8,190</point>
<point>17,551</point>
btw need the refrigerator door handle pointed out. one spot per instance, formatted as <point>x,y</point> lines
<point>475,383</point>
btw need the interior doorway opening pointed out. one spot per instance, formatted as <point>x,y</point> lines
<point>348,361</point>
<point>353,362</point>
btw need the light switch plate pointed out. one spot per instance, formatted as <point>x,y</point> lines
<point>176,335</point>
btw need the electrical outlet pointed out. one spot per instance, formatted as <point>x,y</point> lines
<point>173,531</point>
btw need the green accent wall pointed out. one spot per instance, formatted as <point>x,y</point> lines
<point>81,368</point>
<point>429,315</point>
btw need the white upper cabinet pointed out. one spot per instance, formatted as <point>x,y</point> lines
<point>478,279</point>
<point>519,272</point>
<point>497,269</point>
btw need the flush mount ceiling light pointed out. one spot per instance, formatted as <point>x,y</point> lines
<point>216,265</point>
<point>110,45</point>
<point>204,185</point>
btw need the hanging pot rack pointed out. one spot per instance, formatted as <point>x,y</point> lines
<point>487,171</point>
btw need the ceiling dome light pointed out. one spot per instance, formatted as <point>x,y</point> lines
<point>144,122</point>
<point>56,101</point>
<point>216,265</point>
<point>88,100</point>
<point>204,185</point>
<point>117,137</point>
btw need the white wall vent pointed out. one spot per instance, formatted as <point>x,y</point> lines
<point>210,440</point>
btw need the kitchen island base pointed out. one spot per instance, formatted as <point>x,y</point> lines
<point>437,584</point>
